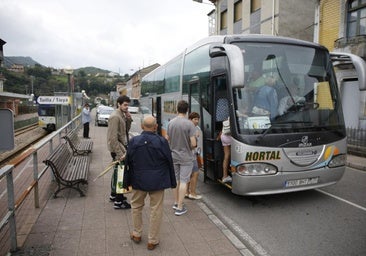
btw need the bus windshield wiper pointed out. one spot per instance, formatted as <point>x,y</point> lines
<point>280,125</point>
<point>273,57</point>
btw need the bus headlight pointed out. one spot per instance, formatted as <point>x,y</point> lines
<point>338,160</point>
<point>256,169</point>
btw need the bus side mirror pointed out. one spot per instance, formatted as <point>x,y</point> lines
<point>340,58</point>
<point>236,62</point>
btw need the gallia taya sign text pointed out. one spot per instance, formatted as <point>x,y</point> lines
<point>57,100</point>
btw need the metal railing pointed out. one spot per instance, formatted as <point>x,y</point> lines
<point>7,171</point>
<point>356,141</point>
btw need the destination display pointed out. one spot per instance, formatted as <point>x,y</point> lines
<point>57,100</point>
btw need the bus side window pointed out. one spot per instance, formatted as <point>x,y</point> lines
<point>222,103</point>
<point>222,109</point>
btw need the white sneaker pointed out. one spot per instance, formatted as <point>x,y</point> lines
<point>227,179</point>
<point>196,197</point>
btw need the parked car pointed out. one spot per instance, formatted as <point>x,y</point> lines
<point>134,106</point>
<point>103,115</point>
<point>99,107</point>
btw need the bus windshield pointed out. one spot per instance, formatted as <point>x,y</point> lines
<point>288,89</point>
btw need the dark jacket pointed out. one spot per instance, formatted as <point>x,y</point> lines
<point>150,164</point>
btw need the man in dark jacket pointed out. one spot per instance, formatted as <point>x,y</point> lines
<point>150,171</point>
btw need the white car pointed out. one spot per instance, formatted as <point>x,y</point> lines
<point>134,106</point>
<point>133,110</point>
<point>103,115</point>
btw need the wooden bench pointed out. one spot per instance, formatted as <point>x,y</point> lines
<point>78,146</point>
<point>69,170</point>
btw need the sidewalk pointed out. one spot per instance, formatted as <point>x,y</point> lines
<point>73,225</point>
<point>356,162</point>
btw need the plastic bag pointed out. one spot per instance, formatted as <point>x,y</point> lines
<point>119,177</point>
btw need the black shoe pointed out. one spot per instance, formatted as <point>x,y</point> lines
<point>113,198</point>
<point>121,205</point>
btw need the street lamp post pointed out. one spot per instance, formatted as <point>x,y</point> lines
<point>32,82</point>
<point>82,98</point>
<point>32,92</point>
<point>68,71</point>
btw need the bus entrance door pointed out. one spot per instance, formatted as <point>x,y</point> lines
<point>209,148</point>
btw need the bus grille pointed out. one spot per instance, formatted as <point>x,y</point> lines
<point>304,156</point>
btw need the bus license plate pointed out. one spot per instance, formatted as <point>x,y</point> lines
<point>302,182</point>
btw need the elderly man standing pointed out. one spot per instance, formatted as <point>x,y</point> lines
<point>150,169</point>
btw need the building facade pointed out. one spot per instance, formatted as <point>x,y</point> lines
<point>342,28</point>
<point>290,18</point>
<point>2,78</point>
<point>17,68</point>
<point>339,25</point>
<point>133,85</point>
<point>2,42</point>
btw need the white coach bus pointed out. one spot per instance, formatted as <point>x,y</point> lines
<point>299,143</point>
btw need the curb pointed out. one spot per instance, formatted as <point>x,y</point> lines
<point>356,166</point>
<point>246,245</point>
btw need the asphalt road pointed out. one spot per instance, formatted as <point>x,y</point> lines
<point>328,221</point>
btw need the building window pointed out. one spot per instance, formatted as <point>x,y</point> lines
<point>255,5</point>
<point>356,19</point>
<point>238,11</point>
<point>223,20</point>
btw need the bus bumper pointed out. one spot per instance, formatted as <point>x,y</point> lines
<point>284,182</point>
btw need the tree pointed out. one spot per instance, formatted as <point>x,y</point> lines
<point>15,82</point>
<point>39,71</point>
<point>45,83</point>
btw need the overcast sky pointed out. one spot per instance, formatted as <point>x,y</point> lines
<point>117,35</point>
